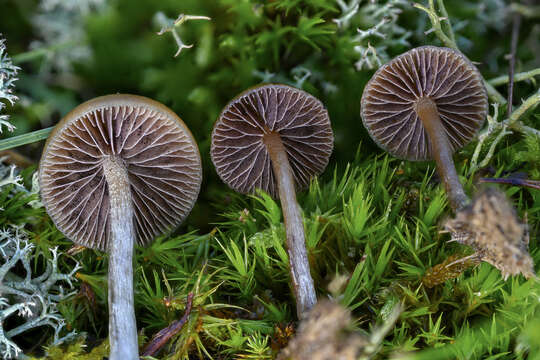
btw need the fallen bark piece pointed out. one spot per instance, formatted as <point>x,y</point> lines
<point>164,335</point>
<point>490,225</point>
<point>327,334</point>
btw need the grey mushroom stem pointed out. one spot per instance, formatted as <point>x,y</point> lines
<point>442,152</point>
<point>122,325</point>
<point>303,287</point>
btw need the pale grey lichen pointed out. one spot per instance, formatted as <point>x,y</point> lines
<point>265,76</point>
<point>300,74</point>
<point>60,24</point>
<point>83,7</point>
<point>30,297</point>
<point>8,175</point>
<point>33,298</point>
<point>296,77</point>
<point>378,30</point>
<point>34,190</point>
<point>348,11</point>
<point>170,25</point>
<point>491,13</point>
<point>8,76</point>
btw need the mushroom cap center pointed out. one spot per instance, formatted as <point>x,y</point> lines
<point>425,105</point>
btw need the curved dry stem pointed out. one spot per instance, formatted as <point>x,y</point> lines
<point>303,287</point>
<point>442,152</point>
<point>533,184</point>
<point>122,325</point>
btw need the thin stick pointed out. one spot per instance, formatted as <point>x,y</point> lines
<point>164,335</point>
<point>533,184</point>
<point>516,22</point>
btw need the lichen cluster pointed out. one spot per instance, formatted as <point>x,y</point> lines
<point>8,76</point>
<point>30,297</point>
<point>61,32</point>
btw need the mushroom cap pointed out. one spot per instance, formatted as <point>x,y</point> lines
<point>159,153</point>
<point>239,154</point>
<point>445,76</point>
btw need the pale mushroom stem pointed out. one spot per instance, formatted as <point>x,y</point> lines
<point>303,287</point>
<point>122,325</point>
<point>442,152</point>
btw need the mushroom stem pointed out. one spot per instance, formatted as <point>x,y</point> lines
<point>442,152</point>
<point>303,287</point>
<point>122,326</point>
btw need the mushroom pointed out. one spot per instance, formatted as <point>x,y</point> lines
<point>426,104</point>
<point>115,170</point>
<point>276,138</point>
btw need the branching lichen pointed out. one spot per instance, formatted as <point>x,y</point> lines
<point>24,294</point>
<point>8,76</point>
<point>348,11</point>
<point>381,32</point>
<point>296,77</point>
<point>8,175</point>
<point>60,24</point>
<point>373,41</point>
<point>30,297</point>
<point>491,13</point>
<point>170,25</point>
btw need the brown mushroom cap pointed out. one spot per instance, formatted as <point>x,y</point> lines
<point>157,149</point>
<point>441,74</point>
<point>239,154</point>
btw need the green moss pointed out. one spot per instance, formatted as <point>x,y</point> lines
<point>78,351</point>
